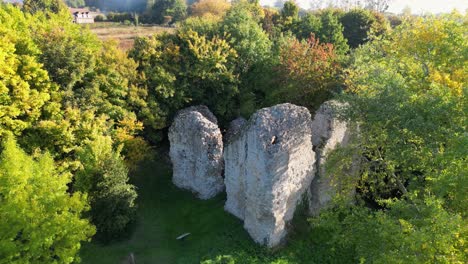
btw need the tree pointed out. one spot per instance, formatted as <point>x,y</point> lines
<point>106,89</point>
<point>54,6</point>
<point>307,25</point>
<point>374,5</point>
<point>176,10</point>
<point>332,31</point>
<point>423,77</point>
<point>358,25</point>
<point>210,73</point>
<point>96,92</point>
<point>245,35</point>
<point>254,50</point>
<point>25,86</point>
<point>202,69</point>
<point>408,96</point>
<point>111,89</point>
<point>75,3</point>
<point>270,22</point>
<point>289,15</point>
<point>41,221</point>
<point>213,7</point>
<point>207,26</point>
<point>159,97</point>
<point>67,51</point>
<point>290,9</point>
<point>377,5</point>
<point>105,178</point>
<point>307,73</point>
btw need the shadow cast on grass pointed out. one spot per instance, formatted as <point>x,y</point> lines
<point>165,212</point>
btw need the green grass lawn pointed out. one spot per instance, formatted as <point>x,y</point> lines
<point>165,212</point>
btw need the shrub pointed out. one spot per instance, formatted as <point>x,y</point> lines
<point>105,178</point>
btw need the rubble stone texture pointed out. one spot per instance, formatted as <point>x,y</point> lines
<point>196,152</point>
<point>268,168</point>
<point>235,128</point>
<point>328,132</point>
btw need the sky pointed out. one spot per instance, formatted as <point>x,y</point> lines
<point>416,6</point>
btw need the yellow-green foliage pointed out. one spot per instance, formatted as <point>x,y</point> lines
<point>408,93</point>
<point>40,221</point>
<point>215,8</point>
<point>24,84</point>
<point>60,85</point>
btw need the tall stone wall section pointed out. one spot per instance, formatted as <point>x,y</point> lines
<point>196,152</point>
<point>328,132</point>
<point>268,168</point>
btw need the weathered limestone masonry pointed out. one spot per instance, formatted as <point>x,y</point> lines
<point>269,166</point>
<point>197,152</point>
<point>328,132</point>
<point>235,129</point>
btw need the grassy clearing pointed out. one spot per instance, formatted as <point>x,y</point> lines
<point>125,34</point>
<point>166,212</point>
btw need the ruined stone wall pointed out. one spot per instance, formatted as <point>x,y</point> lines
<point>328,132</point>
<point>269,166</point>
<point>196,149</point>
<point>270,162</point>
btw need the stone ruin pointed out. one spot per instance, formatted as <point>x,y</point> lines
<point>269,165</point>
<point>271,162</point>
<point>328,132</point>
<point>196,152</point>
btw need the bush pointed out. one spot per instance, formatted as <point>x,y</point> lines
<point>99,18</point>
<point>119,17</point>
<point>176,9</point>
<point>105,178</point>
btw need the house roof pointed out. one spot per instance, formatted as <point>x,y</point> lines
<point>81,10</point>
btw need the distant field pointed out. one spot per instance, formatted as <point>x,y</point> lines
<point>125,34</point>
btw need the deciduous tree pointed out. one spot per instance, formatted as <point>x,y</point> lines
<point>307,72</point>
<point>41,221</point>
<point>54,6</point>
<point>209,7</point>
<point>408,96</point>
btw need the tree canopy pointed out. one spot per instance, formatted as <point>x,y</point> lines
<point>406,93</point>
<point>41,221</point>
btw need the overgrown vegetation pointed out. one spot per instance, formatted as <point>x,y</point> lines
<point>78,116</point>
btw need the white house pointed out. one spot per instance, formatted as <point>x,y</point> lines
<point>82,15</point>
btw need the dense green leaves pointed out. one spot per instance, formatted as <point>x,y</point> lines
<point>408,93</point>
<point>41,222</point>
<point>246,35</point>
<point>25,87</point>
<point>92,106</point>
<point>61,88</point>
<point>332,31</point>
<point>104,177</point>
<point>358,25</point>
<point>396,235</point>
<point>168,11</point>
<point>34,6</point>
